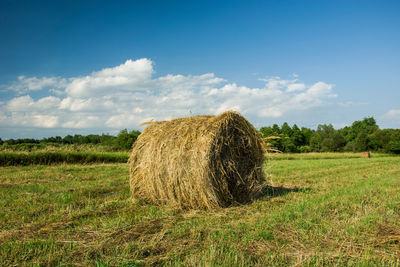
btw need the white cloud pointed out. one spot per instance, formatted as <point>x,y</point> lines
<point>32,119</point>
<point>22,103</point>
<point>391,118</point>
<point>296,87</point>
<point>25,84</point>
<point>85,122</point>
<point>393,114</point>
<point>45,121</point>
<point>130,76</point>
<point>27,104</point>
<point>25,111</point>
<point>93,104</point>
<point>128,94</point>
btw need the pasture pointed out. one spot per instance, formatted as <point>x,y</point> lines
<point>327,209</point>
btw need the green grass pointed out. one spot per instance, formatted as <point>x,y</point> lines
<point>316,212</point>
<point>15,158</point>
<point>48,158</point>
<point>325,155</point>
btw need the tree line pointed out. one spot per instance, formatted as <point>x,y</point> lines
<point>363,135</point>
<point>123,141</point>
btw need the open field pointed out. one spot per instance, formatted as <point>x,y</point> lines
<point>322,211</point>
<point>321,155</point>
<point>48,157</point>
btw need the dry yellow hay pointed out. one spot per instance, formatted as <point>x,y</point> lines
<point>365,154</point>
<point>200,162</point>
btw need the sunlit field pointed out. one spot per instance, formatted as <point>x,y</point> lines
<point>332,209</point>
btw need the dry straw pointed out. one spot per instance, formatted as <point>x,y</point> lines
<point>200,162</point>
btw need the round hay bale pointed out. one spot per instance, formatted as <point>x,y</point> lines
<point>200,162</point>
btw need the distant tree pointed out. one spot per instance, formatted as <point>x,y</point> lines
<point>394,144</point>
<point>339,141</point>
<point>362,142</point>
<point>276,129</point>
<point>307,133</point>
<point>126,139</point>
<point>305,149</point>
<point>68,139</point>
<point>272,131</point>
<point>394,147</point>
<point>367,125</point>
<point>326,139</point>
<point>297,137</point>
<point>106,139</point>
<point>267,131</point>
<point>93,139</point>
<point>380,139</point>
<point>285,143</point>
<point>78,139</point>
<point>286,130</point>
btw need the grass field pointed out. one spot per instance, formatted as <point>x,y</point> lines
<point>48,157</point>
<point>322,155</point>
<point>341,211</point>
<point>57,157</point>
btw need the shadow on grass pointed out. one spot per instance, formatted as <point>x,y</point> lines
<point>275,191</point>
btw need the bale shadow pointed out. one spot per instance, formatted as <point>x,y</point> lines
<point>275,191</point>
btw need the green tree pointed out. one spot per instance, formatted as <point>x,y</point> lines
<point>126,139</point>
<point>297,137</point>
<point>380,139</point>
<point>68,139</point>
<point>267,131</point>
<point>272,131</point>
<point>394,147</point>
<point>286,130</point>
<point>327,139</point>
<point>307,133</point>
<point>276,129</point>
<point>338,141</point>
<point>367,125</point>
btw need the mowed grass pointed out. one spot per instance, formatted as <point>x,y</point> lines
<point>322,155</point>
<point>315,212</point>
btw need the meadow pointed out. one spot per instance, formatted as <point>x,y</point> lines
<point>319,209</point>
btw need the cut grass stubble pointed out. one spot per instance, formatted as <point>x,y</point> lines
<point>332,212</point>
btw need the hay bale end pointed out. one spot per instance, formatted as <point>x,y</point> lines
<point>365,154</point>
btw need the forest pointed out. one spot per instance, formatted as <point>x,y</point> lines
<point>363,135</point>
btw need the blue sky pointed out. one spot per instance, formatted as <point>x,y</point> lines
<point>71,67</point>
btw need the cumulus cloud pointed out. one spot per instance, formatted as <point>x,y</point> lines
<point>296,87</point>
<point>25,84</point>
<point>128,94</point>
<point>26,104</point>
<point>130,76</point>
<point>392,118</point>
<point>393,113</point>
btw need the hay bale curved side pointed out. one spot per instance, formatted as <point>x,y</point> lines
<point>200,162</point>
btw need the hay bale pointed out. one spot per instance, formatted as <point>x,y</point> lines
<point>365,155</point>
<point>200,162</point>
